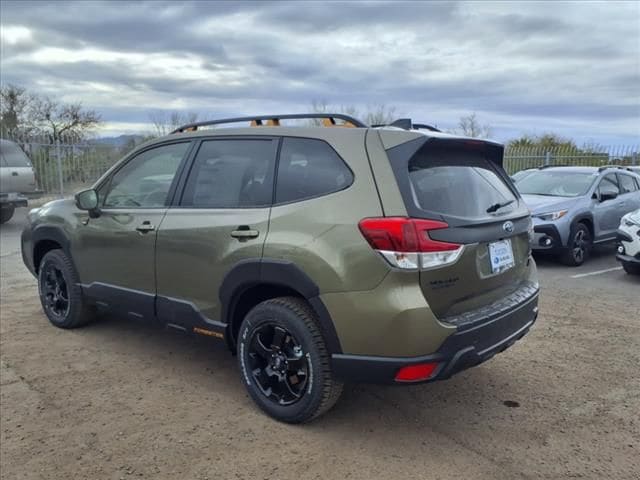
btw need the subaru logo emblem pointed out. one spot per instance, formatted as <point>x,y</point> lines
<point>507,227</point>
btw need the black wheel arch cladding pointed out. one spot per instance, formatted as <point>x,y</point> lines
<point>279,273</point>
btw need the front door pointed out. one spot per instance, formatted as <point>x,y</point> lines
<point>221,219</point>
<point>115,252</point>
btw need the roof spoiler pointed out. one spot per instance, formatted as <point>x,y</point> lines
<point>407,124</point>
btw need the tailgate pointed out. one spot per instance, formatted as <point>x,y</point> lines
<point>461,183</point>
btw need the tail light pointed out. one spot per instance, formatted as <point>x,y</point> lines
<point>405,242</point>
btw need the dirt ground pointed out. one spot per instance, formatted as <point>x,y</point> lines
<point>118,400</point>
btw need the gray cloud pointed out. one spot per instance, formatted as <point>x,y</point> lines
<point>573,67</point>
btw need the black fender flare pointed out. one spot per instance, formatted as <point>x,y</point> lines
<point>252,272</point>
<point>53,233</point>
<point>584,216</point>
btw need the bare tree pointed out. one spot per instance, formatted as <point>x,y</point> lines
<point>58,120</point>
<point>165,122</point>
<point>23,113</point>
<point>15,105</point>
<point>471,127</point>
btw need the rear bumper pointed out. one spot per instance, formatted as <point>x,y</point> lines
<point>16,200</point>
<point>472,344</point>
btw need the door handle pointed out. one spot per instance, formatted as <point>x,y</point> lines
<point>145,227</point>
<point>244,231</point>
<point>14,174</point>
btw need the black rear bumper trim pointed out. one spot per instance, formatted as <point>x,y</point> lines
<point>461,350</point>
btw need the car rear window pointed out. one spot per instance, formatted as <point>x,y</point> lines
<point>457,182</point>
<point>13,156</point>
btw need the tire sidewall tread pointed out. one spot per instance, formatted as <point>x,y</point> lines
<point>79,313</point>
<point>298,318</point>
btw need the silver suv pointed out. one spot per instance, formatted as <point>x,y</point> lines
<point>576,207</point>
<point>17,179</point>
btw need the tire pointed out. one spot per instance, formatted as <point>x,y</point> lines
<point>631,268</point>
<point>579,246</point>
<point>6,213</point>
<point>288,325</point>
<point>60,292</point>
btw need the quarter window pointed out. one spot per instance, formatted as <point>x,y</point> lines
<point>309,168</point>
<point>145,180</point>
<point>231,174</point>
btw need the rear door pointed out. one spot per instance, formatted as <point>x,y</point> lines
<point>629,193</point>
<point>462,184</point>
<point>17,171</point>
<point>221,219</point>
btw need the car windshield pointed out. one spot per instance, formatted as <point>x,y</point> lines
<point>559,184</point>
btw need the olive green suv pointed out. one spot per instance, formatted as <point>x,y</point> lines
<point>321,255</point>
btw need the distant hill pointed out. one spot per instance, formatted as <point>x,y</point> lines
<point>120,140</point>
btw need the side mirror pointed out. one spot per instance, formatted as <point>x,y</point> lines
<point>88,200</point>
<point>609,195</point>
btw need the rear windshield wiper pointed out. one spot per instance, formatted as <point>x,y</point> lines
<point>498,206</point>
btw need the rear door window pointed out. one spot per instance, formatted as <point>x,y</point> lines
<point>231,173</point>
<point>457,183</point>
<point>309,168</point>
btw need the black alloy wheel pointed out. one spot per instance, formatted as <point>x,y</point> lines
<point>54,291</point>
<point>278,364</point>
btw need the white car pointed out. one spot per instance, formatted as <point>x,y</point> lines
<point>629,242</point>
<point>17,179</point>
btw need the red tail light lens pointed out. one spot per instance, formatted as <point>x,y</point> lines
<point>400,234</point>
<point>405,242</point>
<point>416,373</point>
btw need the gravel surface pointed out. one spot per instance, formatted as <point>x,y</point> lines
<point>120,400</point>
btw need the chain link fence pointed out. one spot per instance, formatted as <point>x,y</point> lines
<point>64,166</point>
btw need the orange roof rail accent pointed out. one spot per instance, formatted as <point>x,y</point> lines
<point>330,122</point>
<point>273,122</point>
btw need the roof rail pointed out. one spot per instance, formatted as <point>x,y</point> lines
<point>407,124</point>
<point>274,120</point>
<point>605,167</point>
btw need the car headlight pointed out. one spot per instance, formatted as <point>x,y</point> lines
<point>551,215</point>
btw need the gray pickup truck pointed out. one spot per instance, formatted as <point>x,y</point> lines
<point>17,179</point>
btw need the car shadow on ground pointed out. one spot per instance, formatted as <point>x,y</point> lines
<point>481,392</point>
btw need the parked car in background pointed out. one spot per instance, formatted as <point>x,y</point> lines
<point>321,255</point>
<point>17,179</point>
<point>521,174</point>
<point>574,208</point>
<point>629,242</point>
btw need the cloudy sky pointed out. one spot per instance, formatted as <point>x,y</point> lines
<point>523,67</point>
